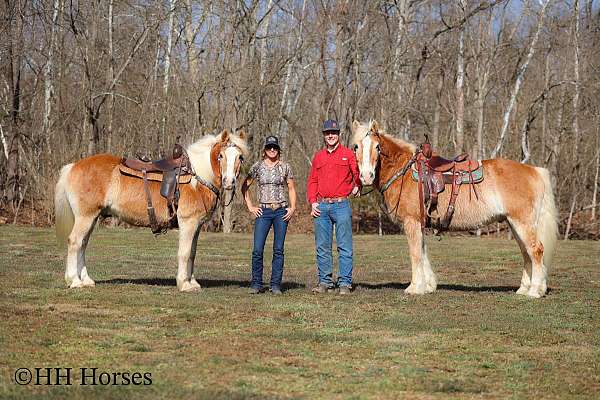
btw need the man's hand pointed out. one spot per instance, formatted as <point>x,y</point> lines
<point>315,212</point>
<point>256,211</point>
<point>356,191</point>
<point>288,213</point>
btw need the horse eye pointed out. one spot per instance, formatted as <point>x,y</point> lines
<point>241,159</point>
<point>378,148</point>
<point>355,147</point>
<point>220,157</point>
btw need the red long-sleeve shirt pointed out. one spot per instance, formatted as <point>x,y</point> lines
<point>332,174</point>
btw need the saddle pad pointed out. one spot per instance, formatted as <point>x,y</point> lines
<point>152,176</point>
<point>477,175</point>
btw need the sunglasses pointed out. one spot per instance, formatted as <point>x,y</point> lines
<point>270,148</point>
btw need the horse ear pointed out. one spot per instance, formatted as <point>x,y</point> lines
<point>375,127</point>
<point>224,136</point>
<point>242,134</point>
<point>355,125</point>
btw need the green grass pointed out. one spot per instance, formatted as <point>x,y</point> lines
<point>473,338</point>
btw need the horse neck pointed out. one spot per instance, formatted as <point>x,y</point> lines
<point>394,160</point>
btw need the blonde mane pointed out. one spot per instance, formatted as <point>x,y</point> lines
<point>239,142</point>
<point>363,130</point>
<point>199,153</point>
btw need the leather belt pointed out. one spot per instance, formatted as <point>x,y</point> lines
<point>273,206</point>
<point>332,199</point>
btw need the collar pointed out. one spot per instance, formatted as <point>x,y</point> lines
<point>337,146</point>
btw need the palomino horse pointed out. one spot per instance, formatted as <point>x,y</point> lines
<point>518,193</point>
<point>94,186</point>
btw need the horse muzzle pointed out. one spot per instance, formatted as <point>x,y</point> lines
<point>228,183</point>
<point>367,178</point>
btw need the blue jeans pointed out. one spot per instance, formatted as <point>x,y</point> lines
<point>262,226</point>
<point>340,215</point>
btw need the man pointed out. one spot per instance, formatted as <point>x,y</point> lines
<point>333,177</point>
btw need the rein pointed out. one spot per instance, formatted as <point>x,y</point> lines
<point>231,200</point>
<point>209,185</point>
<point>397,175</point>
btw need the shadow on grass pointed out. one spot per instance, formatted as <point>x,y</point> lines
<point>453,287</point>
<point>207,283</point>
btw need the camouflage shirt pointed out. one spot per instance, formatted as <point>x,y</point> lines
<point>272,181</point>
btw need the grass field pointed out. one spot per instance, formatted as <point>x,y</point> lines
<point>473,338</point>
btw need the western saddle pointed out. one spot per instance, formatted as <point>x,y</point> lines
<point>433,173</point>
<point>171,172</point>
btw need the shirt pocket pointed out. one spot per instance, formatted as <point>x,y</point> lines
<point>319,165</point>
<point>340,162</point>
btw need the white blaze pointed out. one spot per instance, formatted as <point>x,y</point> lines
<point>367,170</point>
<point>231,155</point>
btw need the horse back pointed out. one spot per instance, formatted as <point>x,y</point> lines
<point>90,180</point>
<point>518,185</point>
<point>508,189</point>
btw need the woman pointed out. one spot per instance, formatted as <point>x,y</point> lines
<point>272,176</point>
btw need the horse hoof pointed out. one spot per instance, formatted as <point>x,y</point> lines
<point>523,290</point>
<point>77,283</point>
<point>430,288</point>
<point>411,289</point>
<point>535,292</point>
<point>195,283</point>
<point>89,282</point>
<point>188,287</point>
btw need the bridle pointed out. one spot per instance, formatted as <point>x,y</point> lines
<point>397,175</point>
<point>229,145</point>
<point>394,177</point>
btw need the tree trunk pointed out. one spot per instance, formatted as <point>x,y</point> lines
<point>48,78</point>
<point>569,220</point>
<point>577,84</point>
<point>460,93</point>
<point>291,87</point>
<point>92,115</point>
<point>519,81</point>
<point>545,104</point>
<point>111,76</point>
<point>160,142</point>
<point>227,211</point>
<point>13,74</point>
<point>595,192</point>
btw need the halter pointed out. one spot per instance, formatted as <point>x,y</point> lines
<point>397,175</point>
<point>231,144</point>
<point>211,186</point>
<point>394,177</point>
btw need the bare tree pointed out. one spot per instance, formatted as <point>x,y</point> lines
<point>460,78</point>
<point>12,71</point>
<point>519,80</point>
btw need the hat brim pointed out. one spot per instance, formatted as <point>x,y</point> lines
<point>330,130</point>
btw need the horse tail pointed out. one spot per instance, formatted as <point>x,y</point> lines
<point>547,226</point>
<point>63,211</point>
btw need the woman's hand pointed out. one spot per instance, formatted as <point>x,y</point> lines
<point>256,211</point>
<point>288,213</point>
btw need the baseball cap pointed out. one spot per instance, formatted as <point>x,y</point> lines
<point>331,125</point>
<point>272,141</point>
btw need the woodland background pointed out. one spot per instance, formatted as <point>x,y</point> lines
<point>517,79</point>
